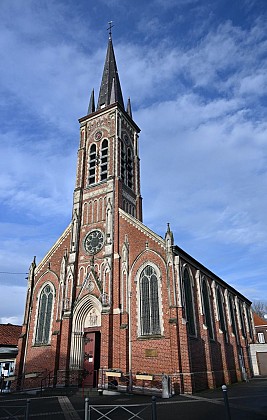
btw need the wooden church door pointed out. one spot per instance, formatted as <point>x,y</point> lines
<point>91,358</point>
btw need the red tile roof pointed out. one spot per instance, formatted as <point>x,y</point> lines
<point>9,334</point>
<point>258,320</point>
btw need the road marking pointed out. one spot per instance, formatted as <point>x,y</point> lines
<point>68,410</point>
<point>210,400</point>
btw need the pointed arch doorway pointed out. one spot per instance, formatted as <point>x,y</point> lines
<point>86,339</point>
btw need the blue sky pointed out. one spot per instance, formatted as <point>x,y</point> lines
<point>196,72</point>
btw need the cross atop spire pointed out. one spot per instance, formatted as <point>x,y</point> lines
<point>109,28</point>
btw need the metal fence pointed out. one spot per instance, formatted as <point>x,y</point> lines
<point>15,411</point>
<point>104,379</point>
<point>122,412</point>
<point>148,384</point>
<point>46,379</point>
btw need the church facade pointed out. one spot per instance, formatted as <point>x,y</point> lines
<point>111,298</point>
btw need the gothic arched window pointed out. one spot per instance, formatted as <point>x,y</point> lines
<point>189,303</point>
<point>126,165</point>
<point>250,328</point>
<point>221,310</point>
<point>207,307</point>
<point>92,164</point>
<point>129,168</point>
<point>241,314</point>
<point>104,160</point>
<point>149,302</point>
<point>123,162</point>
<point>43,327</point>
<point>233,314</point>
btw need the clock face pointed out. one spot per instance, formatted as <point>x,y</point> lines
<point>93,242</point>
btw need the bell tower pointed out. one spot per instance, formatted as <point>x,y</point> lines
<point>107,178</point>
<point>108,170</point>
<point>109,139</point>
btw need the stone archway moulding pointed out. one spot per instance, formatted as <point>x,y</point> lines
<point>80,316</point>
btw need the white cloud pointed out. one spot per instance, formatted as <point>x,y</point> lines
<point>12,304</point>
<point>35,180</point>
<point>255,84</point>
<point>211,166</point>
<point>199,103</point>
<point>11,320</point>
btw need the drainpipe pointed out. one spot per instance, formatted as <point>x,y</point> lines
<point>130,339</point>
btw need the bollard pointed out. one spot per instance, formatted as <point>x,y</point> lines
<point>226,402</point>
<point>165,386</point>
<point>27,411</point>
<point>86,406</point>
<point>154,408</point>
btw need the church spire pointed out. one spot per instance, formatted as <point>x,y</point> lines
<point>110,89</point>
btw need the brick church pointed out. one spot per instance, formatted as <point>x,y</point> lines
<point>113,299</point>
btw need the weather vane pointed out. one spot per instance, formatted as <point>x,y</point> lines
<point>109,28</point>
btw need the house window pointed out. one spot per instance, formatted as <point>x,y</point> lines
<point>149,302</point>
<point>221,311</point>
<point>207,308</point>
<point>261,338</point>
<point>188,302</point>
<point>104,160</point>
<point>92,164</point>
<point>44,316</point>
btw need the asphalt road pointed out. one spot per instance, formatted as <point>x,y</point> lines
<point>246,401</point>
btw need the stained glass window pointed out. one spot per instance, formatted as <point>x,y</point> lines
<point>233,315</point>
<point>149,302</point>
<point>207,308</point>
<point>249,322</point>
<point>44,316</point>
<point>241,314</point>
<point>221,311</point>
<point>189,309</point>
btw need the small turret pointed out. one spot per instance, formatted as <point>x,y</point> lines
<point>169,236</point>
<point>129,108</point>
<point>91,107</point>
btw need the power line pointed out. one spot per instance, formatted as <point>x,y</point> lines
<point>7,272</point>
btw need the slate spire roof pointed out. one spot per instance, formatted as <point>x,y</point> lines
<point>110,89</point>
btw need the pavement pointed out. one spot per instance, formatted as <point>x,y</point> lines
<point>247,401</point>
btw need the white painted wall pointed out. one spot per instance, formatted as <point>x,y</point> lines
<point>254,349</point>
